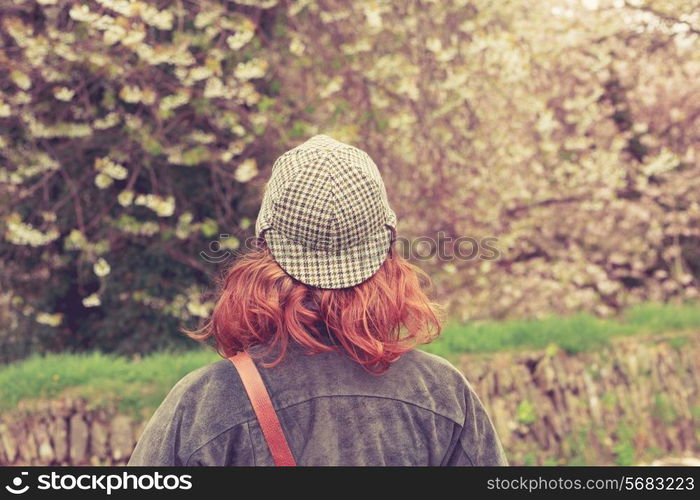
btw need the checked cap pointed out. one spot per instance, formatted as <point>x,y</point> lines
<point>325,215</point>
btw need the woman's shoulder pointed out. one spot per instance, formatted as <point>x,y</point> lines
<point>210,388</point>
<point>430,381</point>
<point>203,404</point>
<point>216,376</point>
<point>205,374</point>
<point>432,366</point>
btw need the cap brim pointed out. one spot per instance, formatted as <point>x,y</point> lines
<point>330,269</point>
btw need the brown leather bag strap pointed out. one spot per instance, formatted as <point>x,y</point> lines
<point>262,405</point>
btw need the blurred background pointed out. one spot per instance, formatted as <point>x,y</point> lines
<point>136,138</point>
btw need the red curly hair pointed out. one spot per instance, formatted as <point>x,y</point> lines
<point>259,303</point>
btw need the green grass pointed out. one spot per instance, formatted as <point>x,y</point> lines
<point>574,333</point>
<point>132,385</point>
<point>137,386</point>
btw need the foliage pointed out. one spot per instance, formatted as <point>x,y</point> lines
<point>624,448</point>
<point>568,131</point>
<point>136,132</point>
<point>131,133</point>
<point>526,413</point>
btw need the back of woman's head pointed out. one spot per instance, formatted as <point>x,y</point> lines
<point>374,322</point>
<point>325,274</point>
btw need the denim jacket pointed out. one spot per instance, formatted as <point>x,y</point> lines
<point>421,412</point>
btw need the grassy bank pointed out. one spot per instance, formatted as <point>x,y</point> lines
<point>133,385</point>
<point>575,333</point>
<point>139,385</point>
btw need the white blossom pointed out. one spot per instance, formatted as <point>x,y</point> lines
<point>246,170</point>
<point>92,300</point>
<point>101,267</point>
<point>49,319</point>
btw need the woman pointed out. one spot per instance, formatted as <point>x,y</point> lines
<point>331,314</point>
